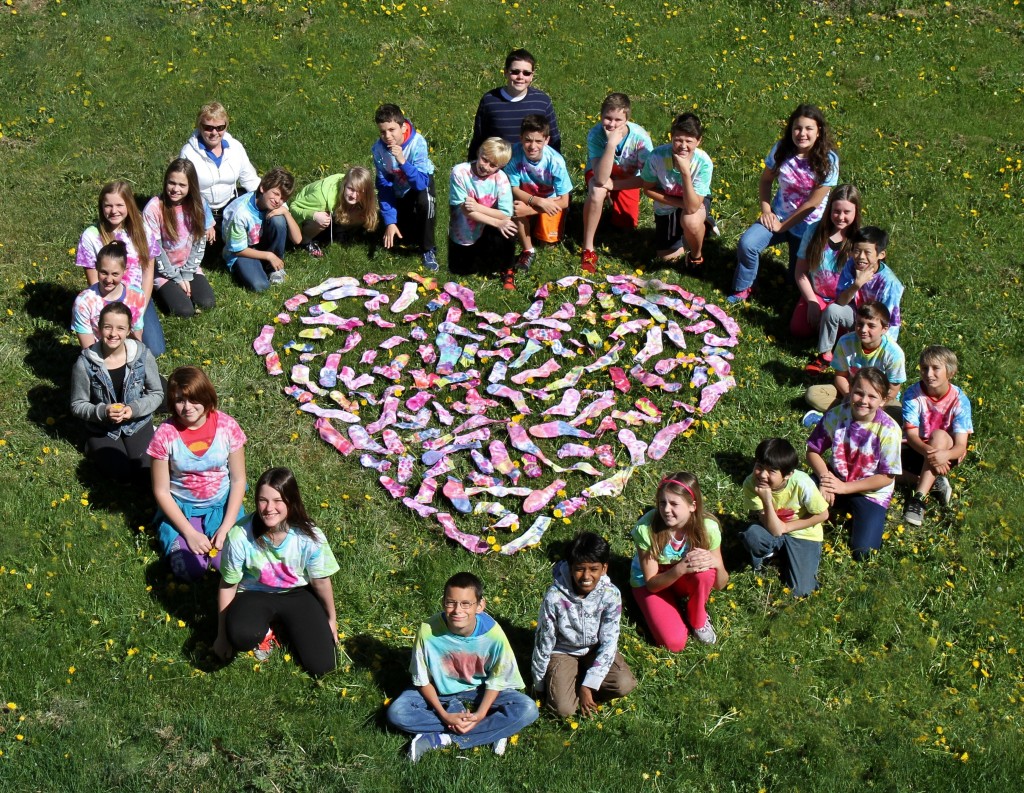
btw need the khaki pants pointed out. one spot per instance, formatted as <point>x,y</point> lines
<point>565,676</point>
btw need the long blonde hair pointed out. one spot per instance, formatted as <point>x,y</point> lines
<point>364,212</point>
<point>685,485</point>
<point>132,225</point>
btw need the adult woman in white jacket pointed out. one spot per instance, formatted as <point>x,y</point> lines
<point>220,159</point>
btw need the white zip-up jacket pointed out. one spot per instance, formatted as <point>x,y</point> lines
<point>217,182</point>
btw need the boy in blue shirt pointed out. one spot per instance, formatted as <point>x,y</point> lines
<point>461,656</point>
<point>405,183</point>
<point>255,228</point>
<point>789,510</point>
<point>540,186</point>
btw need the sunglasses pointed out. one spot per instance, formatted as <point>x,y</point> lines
<point>214,127</point>
<point>524,72</point>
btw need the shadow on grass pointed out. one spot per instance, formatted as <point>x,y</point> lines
<point>388,665</point>
<point>194,604</point>
<point>50,302</point>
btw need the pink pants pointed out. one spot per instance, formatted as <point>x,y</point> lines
<point>661,609</point>
<point>799,327</point>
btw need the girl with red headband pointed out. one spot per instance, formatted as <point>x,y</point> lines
<point>678,555</point>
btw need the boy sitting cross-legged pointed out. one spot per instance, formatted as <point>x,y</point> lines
<point>789,509</point>
<point>575,654</point>
<point>461,657</point>
<point>405,183</point>
<point>937,423</point>
<point>540,187</point>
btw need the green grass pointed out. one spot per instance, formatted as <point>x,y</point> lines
<point>902,673</point>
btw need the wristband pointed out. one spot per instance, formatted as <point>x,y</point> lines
<point>530,202</point>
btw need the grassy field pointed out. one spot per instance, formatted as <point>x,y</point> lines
<point>903,673</point>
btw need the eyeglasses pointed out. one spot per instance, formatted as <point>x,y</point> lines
<point>524,72</point>
<point>214,127</point>
<point>465,605</point>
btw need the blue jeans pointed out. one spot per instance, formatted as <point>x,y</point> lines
<point>152,332</point>
<point>510,713</point>
<point>800,558</point>
<point>748,253</point>
<point>252,273</point>
<point>868,523</point>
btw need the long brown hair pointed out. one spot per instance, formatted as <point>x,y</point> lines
<point>817,157</point>
<point>191,205</point>
<point>685,485</point>
<point>825,229</point>
<point>132,225</point>
<point>283,481</point>
<point>365,211</point>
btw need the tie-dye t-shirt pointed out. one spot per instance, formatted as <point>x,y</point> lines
<point>257,567</point>
<point>661,170</point>
<point>242,226</point>
<point>951,412</point>
<point>546,177</point>
<point>494,192</point>
<point>670,554</point>
<point>850,356</point>
<point>454,663</point>
<point>884,287</point>
<point>199,480</point>
<point>177,250</point>
<point>85,313</point>
<point>630,155</point>
<point>854,450</point>
<point>798,498</point>
<point>797,181</point>
<point>824,277</point>
<point>91,242</point>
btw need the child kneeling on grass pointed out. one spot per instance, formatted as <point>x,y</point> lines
<point>937,423</point>
<point>862,444</point>
<point>789,509</point>
<point>276,580</point>
<point>575,653</point>
<point>461,656</point>
<point>678,555</point>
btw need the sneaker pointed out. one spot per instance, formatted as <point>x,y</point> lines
<point>811,418</point>
<point>712,227</point>
<point>820,364</point>
<point>314,250</point>
<point>943,490</point>
<point>499,746</point>
<point>706,634</point>
<point>276,277</point>
<point>430,260</point>
<point>739,297</point>
<point>759,565</point>
<point>692,263</point>
<point>423,742</point>
<point>588,261</point>
<point>508,278</point>
<point>913,512</point>
<point>525,260</point>
<point>266,647</point>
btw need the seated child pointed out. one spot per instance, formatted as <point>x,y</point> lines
<point>937,423</point>
<point>869,345</point>
<point>789,509</point>
<point>855,454</point>
<point>462,656</point>
<point>115,389</point>
<point>678,556</point>
<point>575,653</point>
<point>255,229</point>
<point>865,277</point>
<point>110,287</point>
<point>677,177</point>
<point>617,150</point>
<point>405,183</point>
<point>330,207</point>
<point>481,231</point>
<point>540,186</point>
<point>276,576</point>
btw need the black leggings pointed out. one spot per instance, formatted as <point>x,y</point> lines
<point>298,618</point>
<point>417,217</point>
<point>172,298</point>
<point>124,458</point>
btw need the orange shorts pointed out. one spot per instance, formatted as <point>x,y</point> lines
<point>546,228</point>
<point>625,203</point>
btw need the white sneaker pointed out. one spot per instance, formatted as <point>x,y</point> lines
<point>499,746</point>
<point>706,634</point>
<point>943,490</point>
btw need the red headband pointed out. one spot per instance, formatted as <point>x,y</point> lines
<point>683,485</point>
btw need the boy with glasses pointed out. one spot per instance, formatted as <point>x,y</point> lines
<point>502,110</point>
<point>465,676</point>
